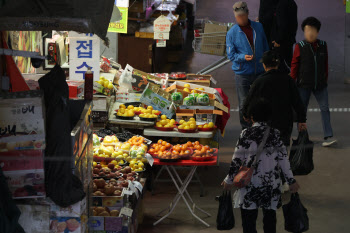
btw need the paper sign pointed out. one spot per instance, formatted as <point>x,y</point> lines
<point>127,192</point>
<point>120,26</point>
<point>150,159</point>
<point>138,185</point>
<point>161,35</point>
<point>162,24</point>
<point>122,3</point>
<point>84,52</point>
<point>126,212</point>
<point>161,43</point>
<point>347,6</point>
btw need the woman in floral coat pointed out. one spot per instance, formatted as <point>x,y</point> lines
<point>264,190</point>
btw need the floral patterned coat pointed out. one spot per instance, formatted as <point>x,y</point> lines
<point>264,191</point>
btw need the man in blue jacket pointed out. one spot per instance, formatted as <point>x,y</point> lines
<point>245,43</point>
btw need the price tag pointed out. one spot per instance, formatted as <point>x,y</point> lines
<point>162,24</point>
<point>213,80</point>
<point>138,185</point>
<point>127,192</point>
<point>161,43</point>
<point>133,189</point>
<point>161,35</point>
<point>126,212</point>
<point>150,159</point>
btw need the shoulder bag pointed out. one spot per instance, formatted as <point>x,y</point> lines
<point>244,175</point>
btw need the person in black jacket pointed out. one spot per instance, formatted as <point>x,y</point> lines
<point>267,12</point>
<point>310,71</point>
<point>284,30</point>
<point>280,89</point>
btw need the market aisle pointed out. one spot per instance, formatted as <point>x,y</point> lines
<point>325,191</point>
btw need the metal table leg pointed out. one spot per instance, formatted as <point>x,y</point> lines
<point>181,191</point>
<point>188,195</point>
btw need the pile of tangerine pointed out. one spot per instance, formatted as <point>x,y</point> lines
<point>181,150</point>
<point>160,148</point>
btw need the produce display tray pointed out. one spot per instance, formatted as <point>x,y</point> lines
<point>188,162</point>
<point>154,132</point>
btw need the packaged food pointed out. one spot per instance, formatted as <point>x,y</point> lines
<point>189,101</point>
<point>203,99</point>
<point>177,97</point>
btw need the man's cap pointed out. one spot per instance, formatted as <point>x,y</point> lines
<point>270,58</point>
<point>240,8</point>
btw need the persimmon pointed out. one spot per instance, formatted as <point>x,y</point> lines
<point>160,141</point>
<point>168,145</point>
<point>196,143</point>
<point>163,148</point>
<point>152,151</point>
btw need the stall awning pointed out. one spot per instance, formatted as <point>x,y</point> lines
<point>86,16</point>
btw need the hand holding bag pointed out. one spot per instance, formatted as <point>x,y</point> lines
<point>245,174</point>
<point>225,219</point>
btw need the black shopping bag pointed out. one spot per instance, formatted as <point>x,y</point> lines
<point>225,219</point>
<point>295,215</point>
<point>301,154</point>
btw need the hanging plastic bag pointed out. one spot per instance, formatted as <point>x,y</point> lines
<point>126,79</point>
<point>225,219</point>
<point>295,215</point>
<point>301,154</point>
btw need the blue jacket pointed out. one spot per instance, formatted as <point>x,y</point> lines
<point>238,46</point>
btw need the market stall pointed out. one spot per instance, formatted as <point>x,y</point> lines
<point>80,141</point>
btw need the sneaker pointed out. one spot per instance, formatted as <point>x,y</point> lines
<point>329,142</point>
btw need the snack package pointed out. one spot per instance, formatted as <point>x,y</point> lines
<point>189,101</point>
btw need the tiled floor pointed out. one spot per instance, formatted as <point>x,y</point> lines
<point>326,191</point>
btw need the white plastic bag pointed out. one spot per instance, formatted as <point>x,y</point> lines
<point>126,79</point>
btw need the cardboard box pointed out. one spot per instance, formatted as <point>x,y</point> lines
<point>69,224</point>
<point>215,45</point>
<point>77,210</point>
<point>112,201</point>
<point>124,97</point>
<point>76,89</point>
<point>158,99</point>
<point>184,114</point>
<point>35,218</point>
<point>141,79</point>
<point>107,224</point>
<point>22,123</point>
<point>21,160</point>
<point>206,116</point>
<point>175,88</point>
<point>26,183</point>
<point>213,94</point>
<point>205,83</point>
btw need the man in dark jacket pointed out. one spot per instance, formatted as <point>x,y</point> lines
<point>280,89</point>
<point>267,12</point>
<point>284,30</point>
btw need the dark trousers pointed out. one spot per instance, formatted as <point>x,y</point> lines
<point>249,220</point>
